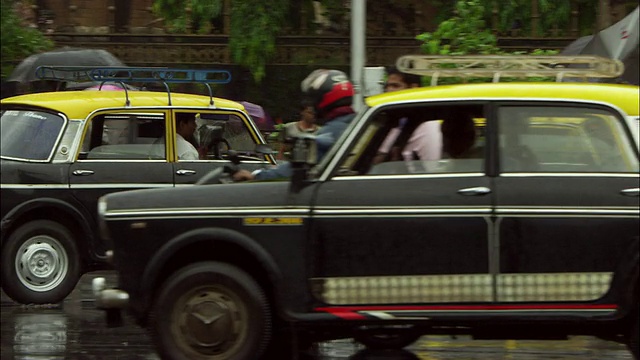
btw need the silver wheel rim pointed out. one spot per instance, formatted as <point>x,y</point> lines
<point>41,263</point>
<point>210,322</point>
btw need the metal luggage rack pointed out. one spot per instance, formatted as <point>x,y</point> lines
<point>124,75</point>
<point>518,66</point>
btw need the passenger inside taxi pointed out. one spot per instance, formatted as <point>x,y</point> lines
<point>185,129</point>
<point>516,154</point>
<point>459,134</point>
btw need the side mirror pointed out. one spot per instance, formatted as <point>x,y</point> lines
<point>303,156</point>
<point>304,151</point>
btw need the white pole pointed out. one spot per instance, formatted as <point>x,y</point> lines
<point>358,41</point>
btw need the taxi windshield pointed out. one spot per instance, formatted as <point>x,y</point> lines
<point>29,135</point>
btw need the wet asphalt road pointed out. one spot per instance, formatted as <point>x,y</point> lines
<point>75,330</point>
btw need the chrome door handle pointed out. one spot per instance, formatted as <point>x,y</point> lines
<point>474,191</point>
<point>185,172</point>
<point>82,172</point>
<point>630,192</point>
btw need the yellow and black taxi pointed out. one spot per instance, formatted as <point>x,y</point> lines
<point>61,151</point>
<point>524,224</point>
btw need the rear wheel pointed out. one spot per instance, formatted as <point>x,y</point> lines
<point>633,336</point>
<point>40,263</point>
<point>211,310</point>
<point>381,339</point>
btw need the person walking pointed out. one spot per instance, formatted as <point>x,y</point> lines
<point>331,94</point>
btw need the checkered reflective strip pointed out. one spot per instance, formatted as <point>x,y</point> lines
<point>461,288</point>
<point>553,286</point>
<point>405,289</point>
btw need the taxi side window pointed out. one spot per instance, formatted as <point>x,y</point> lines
<point>126,137</point>
<point>562,139</point>
<point>217,133</point>
<point>420,140</point>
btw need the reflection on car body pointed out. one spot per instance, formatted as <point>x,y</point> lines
<point>527,227</point>
<point>61,151</point>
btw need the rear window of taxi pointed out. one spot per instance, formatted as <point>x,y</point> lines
<point>29,135</point>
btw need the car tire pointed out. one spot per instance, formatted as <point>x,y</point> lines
<point>386,341</point>
<point>40,263</point>
<point>211,310</point>
<point>287,344</point>
<point>634,335</point>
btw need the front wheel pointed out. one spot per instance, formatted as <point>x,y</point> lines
<point>211,310</point>
<point>387,340</point>
<point>634,334</point>
<point>40,263</point>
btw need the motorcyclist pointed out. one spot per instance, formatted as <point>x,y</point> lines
<point>331,94</point>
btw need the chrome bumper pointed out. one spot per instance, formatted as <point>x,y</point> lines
<point>108,299</point>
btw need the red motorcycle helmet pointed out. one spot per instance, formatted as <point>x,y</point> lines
<point>327,89</point>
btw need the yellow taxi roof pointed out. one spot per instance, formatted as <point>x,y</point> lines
<point>623,96</point>
<point>79,104</point>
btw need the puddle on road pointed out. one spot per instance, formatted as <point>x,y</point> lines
<point>53,333</point>
<point>76,330</point>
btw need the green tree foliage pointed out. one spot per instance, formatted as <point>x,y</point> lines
<point>514,16</point>
<point>465,33</point>
<point>17,40</point>
<point>179,15</point>
<point>254,25</point>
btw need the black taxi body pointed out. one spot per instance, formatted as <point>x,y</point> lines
<point>61,151</point>
<point>524,226</point>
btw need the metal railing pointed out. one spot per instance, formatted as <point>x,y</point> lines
<point>497,66</point>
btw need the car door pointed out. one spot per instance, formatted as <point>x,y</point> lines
<point>404,230</point>
<point>218,132</point>
<point>121,150</point>
<point>566,200</point>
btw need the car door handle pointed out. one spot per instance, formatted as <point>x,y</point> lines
<point>185,172</point>
<point>82,172</point>
<point>630,192</point>
<point>474,191</point>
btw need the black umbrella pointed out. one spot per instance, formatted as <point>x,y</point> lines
<point>26,70</point>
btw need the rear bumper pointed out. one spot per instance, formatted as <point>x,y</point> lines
<point>108,299</point>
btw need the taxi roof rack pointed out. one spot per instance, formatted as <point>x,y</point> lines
<point>126,74</point>
<point>520,66</point>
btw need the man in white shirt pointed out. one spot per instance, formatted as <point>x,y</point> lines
<point>185,128</point>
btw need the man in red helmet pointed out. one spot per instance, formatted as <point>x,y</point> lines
<point>331,94</point>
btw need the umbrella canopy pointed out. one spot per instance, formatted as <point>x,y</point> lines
<point>26,70</point>
<point>576,47</point>
<point>621,38</point>
<point>260,117</point>
<point>97,85</point>
<point>114,87</point>
<point>619,41</point>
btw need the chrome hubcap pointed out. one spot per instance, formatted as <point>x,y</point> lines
<point>211,321</point>
<point>41,263</point>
